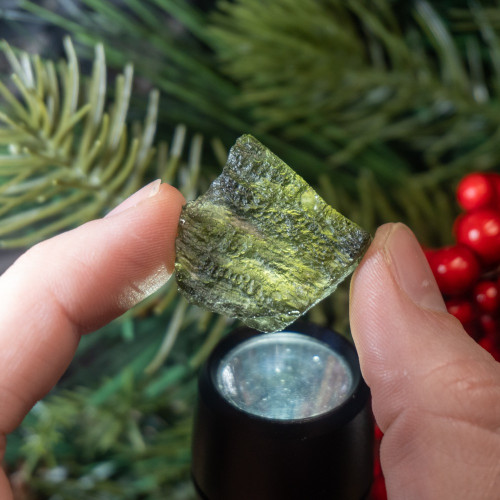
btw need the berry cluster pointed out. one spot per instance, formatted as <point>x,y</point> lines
<point>468,272</point>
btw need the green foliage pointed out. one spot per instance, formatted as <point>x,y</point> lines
<point>157,36</point>
<point>179,62</point>
<point>357,78</point>
<point>125,433</point>
<point>298,88</point>
<point>69,159</point>
<point>125,450</point>
<point>381,105</point>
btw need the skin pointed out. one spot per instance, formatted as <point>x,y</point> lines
<point>436,394</point>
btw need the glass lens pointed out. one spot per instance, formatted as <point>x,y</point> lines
<point>284,376</point>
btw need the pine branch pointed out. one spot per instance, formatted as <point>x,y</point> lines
<point>71,158</point>
<point>177,62</point>
<point>375,85</point>
<point>360,79</point>
<point>171,59</point>
<point>71,155</point>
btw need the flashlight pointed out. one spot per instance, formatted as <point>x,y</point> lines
<point>283,416</point>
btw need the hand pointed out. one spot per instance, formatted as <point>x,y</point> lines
<point>73,284</point>
<point>436,393</point>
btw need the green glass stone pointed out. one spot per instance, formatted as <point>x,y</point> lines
<point>261,245</point>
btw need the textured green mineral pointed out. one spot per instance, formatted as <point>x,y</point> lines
<point>261,245</point>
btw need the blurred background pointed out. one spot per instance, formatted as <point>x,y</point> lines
<point>383,106</point>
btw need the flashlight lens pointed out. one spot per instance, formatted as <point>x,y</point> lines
<point>284,376</point>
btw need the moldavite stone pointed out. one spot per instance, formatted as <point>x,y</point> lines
<point>260,245</point>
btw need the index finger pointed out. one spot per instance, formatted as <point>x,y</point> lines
<point>75,283</point>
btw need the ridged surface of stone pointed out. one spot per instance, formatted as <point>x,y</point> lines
<point>261,245</point>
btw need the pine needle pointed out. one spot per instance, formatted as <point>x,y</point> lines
<point>87,152</point>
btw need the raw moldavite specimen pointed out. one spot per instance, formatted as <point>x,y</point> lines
<point>260,245</point>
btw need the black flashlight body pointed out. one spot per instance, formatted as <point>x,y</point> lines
<point>241,456</point>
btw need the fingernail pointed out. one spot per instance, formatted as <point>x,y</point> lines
<point>148,191</point>
<point>411,269</point>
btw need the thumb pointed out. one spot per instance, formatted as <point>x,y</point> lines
<point>436,393</point>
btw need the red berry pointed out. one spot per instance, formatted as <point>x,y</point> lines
<point>476,191</point>
<point>462,310</point>
<point>490,345</point>
<point>495,180</point>
<point>480,231</point>
<point>378,491</point>
<point>378,433</point>
<point>490,325</point>
<point>487,343</point>
<point>377,467</point>
<point>455,268</point>
<point>474,330</point>
<point>428,252</point>
<point>487,296</point>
